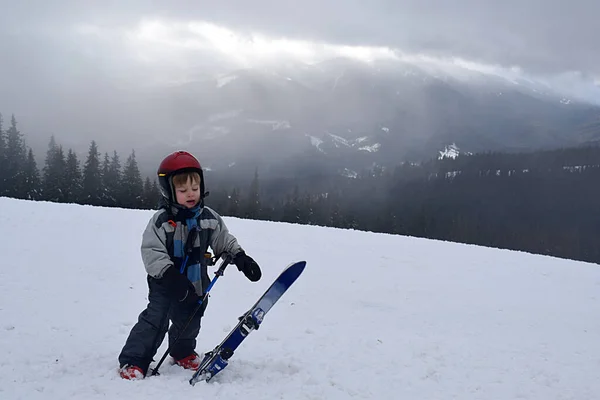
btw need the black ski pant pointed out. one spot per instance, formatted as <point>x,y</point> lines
<point>148,333</point>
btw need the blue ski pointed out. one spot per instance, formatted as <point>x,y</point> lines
<point>217,359</point>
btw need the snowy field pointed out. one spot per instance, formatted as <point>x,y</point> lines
<point>373,316</point>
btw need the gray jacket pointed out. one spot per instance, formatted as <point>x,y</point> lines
<point>154,239</point>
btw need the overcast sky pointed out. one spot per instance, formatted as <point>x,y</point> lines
<point>105,44</point>
<point>538,35</point>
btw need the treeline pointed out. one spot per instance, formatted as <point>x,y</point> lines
<point>99,180</point>
<point>542,202</point>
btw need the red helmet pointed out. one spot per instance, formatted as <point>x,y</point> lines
<point>174,163</point>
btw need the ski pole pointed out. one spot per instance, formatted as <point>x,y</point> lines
<point>226,261</point>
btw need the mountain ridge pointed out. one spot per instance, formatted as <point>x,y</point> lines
<point>397,111</point>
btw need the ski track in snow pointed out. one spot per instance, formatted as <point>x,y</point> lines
<point>373,316</point>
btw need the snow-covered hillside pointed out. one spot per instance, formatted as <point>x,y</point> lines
<point>373,316</point>
<point>344,113</point>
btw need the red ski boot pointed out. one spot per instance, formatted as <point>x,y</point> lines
<point>131,372</point>
<point>190,362</point>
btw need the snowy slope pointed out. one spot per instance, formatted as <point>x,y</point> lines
<point>373,316</point>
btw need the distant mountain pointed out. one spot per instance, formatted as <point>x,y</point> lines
<point>344,115</point>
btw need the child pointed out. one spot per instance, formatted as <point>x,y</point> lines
<point>174,288</point>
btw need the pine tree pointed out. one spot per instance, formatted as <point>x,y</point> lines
<point>72,178</point>
<point>92,180</point>
<point>308,210</point>
<point>60,165</point>
<point>133,185</point>
<point>335,219</point>
<point>304,210</point>
<point>147,188</point>
<point>53,173</point>
<point>296,206</point>
<point>253,206</point>
<point>32,178</point>
<point>16,158</point>
<point>155,194</point>
<point>290,207</point>
<point>2,158</point>
<point>104,172</point>
<point>233,207</point>
<point>151,195</point>
<point>112,181</point>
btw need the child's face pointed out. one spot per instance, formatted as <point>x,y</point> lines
<point>188,195</point>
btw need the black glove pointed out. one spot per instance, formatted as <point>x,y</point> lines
<point>248,266</point>
<point>180,286</point>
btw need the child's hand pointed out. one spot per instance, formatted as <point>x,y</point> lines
<point>180,286</point>
<point>248,266</point>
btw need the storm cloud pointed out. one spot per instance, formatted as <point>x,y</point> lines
<point>539,36</point>
<point>70,65</point>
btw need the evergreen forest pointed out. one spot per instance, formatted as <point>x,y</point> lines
<point>542,202</point>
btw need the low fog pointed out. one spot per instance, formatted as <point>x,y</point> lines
<point>121,73</point>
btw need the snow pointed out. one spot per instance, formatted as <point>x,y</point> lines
<point>337,140</point>
<point>579,168</point>
<point>348,173</point>
<point>371,149</point>
<point>451,151</point>
<point>316,142</point>
<point>373,316</point>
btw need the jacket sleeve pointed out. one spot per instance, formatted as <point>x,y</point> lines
<point>154,248</point>
<point>221,241</point>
